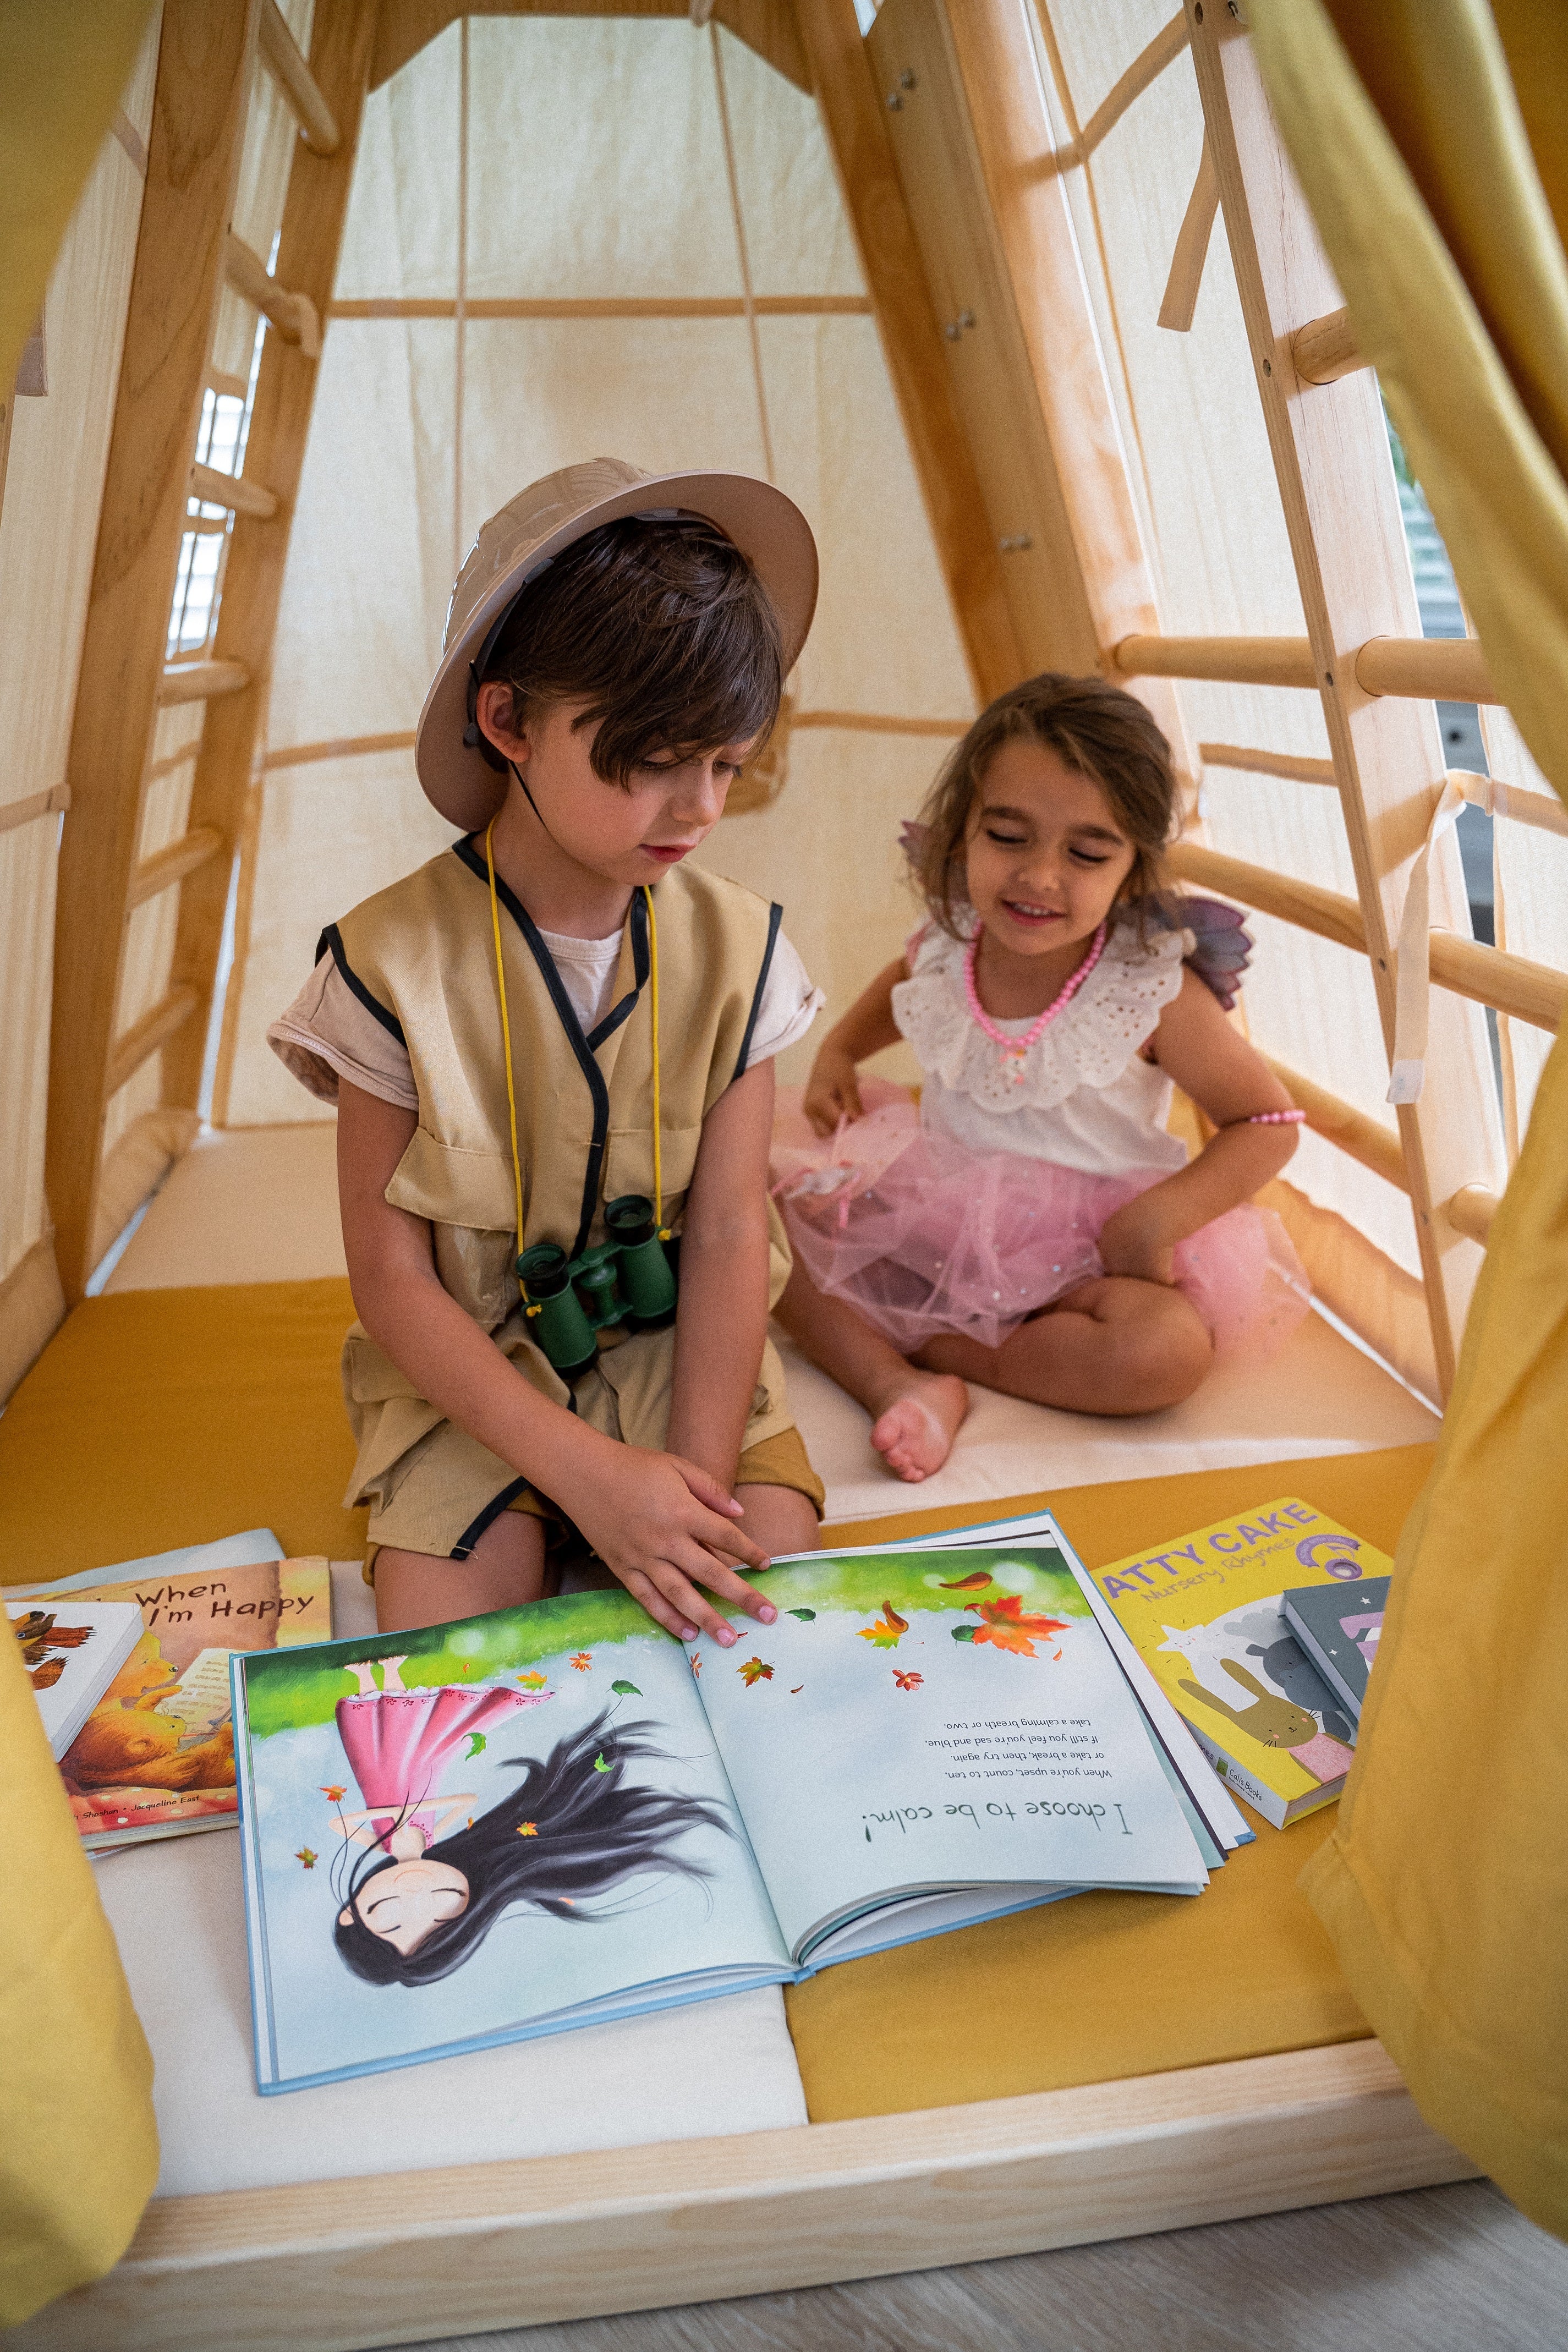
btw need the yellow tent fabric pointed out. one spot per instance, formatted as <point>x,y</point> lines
<point>1415,125</point>
<point>61,73</point>
<point>79,2148</point>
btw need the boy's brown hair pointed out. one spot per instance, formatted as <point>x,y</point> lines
<point>662,629</point>
<point>1101,731</point>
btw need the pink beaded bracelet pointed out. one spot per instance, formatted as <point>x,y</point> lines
<point>1273,1118</point>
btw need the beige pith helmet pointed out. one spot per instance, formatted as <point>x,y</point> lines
<point>769,530</point>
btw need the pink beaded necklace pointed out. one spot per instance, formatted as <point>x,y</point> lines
<point>1016,1050</point>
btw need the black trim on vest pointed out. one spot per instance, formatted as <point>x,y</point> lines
<point>640,963</point>
<point>466,854</point>
<point>776,917</point>
<point>487,1518</point>
<point>331,943</point>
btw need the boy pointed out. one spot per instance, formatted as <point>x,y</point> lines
<point>616,649</point>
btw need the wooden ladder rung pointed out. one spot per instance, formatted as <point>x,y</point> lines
<point>293,315</point>
<point>1529,992</point>
<point>166,866</point>
<point>1440,669</point>
<point>1326,349</point>
<point>200,681</point>
<point>1361,1137</point>
<point>281,56</point>
<point>216,490</point>
<point>145,1036</point>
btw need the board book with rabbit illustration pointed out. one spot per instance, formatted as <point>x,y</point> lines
<point>1205,1613</point>
<point>556,1815</point>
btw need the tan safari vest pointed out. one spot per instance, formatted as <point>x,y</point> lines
<point>421,957</point>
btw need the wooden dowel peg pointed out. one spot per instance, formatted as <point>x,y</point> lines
<point>1325,348</point>
<point>200,681</point>
<point>1471,1209</point>
<point>216,490</point>
<point>1446,670</point>
<point>293,315</point>
<point>281,56</point>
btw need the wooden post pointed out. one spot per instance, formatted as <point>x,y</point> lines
<point>996,65</point>
<point>198,116</point>
<point>852,115</point>
<point>1341,510</point>
<point>312,225</point>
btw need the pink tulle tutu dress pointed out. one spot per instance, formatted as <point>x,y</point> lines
<point>984,1206</point>
<point>400,1743</point>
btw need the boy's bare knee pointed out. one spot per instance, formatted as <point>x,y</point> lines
<point>780,1518</point>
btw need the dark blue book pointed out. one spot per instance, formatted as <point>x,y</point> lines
<point>1338,1626</point>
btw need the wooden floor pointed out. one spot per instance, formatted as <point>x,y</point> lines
<point>1440,2270</point>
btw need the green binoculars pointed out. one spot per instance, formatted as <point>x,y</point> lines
<point>627,1279</point>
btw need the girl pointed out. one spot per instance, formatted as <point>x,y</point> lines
<point>421,1899</point>
<point>556,1015</point>
<point>1041,1232</point>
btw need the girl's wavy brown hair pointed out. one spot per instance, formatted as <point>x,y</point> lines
<point>1099,731</point>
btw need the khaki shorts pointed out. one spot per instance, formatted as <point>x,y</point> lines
<point>433,1489</point>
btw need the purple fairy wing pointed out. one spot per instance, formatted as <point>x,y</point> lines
<point>1222,944</point>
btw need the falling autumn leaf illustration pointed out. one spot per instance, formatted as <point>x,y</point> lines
<point>907,1681</point>
<point>752,1670</point>
<point>307,1857</point>
<point>969,1583</point>
<point>1005,1627</point>
<point>528,1829</point>
<point>583,1660</point>
<point>533,1681</point>
<point>627,1690</point>
<point>797,1690</point>
<point>886,1632</point>
<point>806,1616</point>
<point>697,1662</point>
<point>333,1794</point>
<point>477,1743</point>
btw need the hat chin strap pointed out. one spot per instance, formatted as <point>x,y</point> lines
<point>534,804</point>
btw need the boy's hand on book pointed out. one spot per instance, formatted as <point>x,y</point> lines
<point>831,1091</point>
<point>664,1526</point>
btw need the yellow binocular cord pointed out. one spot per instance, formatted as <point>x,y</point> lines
<point>506,1040</point>
<point>653,997</point>
<point>506,1043</point>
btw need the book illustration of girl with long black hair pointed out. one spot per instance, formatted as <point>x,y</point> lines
<point>419,1898</point>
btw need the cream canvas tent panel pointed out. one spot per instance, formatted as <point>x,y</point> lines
<point>585,231</point>
<point>629,203</point>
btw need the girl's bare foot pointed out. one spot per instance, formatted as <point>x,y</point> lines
<point>915,1429</point>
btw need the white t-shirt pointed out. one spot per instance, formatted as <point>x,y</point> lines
<point>327,1033</point>
<point>1084,1097</point>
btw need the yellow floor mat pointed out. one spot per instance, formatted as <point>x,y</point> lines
<point>164,1417</point>
<point>1107,1985</point>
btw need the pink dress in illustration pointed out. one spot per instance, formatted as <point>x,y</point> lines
<point>399,1744</point>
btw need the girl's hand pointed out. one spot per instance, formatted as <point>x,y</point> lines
<point>1131,1243</point>
<point>831,1092</point>
<point>658,1523</point>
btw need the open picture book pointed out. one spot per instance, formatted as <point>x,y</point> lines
<point>557,1815</point>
